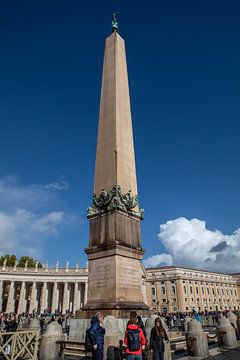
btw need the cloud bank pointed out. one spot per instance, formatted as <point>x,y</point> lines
<point>189,243</point>
<point>26,220</point>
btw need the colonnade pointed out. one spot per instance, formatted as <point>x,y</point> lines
<point>48,296</point>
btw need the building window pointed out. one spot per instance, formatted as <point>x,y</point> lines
<point>164,300</point>
<point>191,290</point>
<point>184,289</point>
<point>202,290</point>
<point>173,290</point>
<point>186,308</point>
<point>197,290</point>
<point>186,299</point>
<point>163,290</point>
<point>153,291</point>
<point>208,291</point>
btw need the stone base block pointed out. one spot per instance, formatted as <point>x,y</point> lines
<point>118,310</point>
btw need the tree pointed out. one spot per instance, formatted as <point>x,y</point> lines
<point>30,262</point>
<point>11,259</point>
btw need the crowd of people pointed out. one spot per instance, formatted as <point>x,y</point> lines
<point>11,322</point>
<point>135,338</point>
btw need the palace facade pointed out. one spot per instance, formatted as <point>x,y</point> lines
<point>164,289</point>
<point>173,288</point>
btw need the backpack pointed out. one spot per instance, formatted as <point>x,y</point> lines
<point>133,339</point>
<point>87,343</point>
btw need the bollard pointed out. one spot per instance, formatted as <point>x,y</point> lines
<point>196,339</point>
<point>226,333</point>
<point>34,324</point>
<point>167,352</point>
<point>112,337</point>
<point>238,323</point>
<point>185,324</point>
<point>49,350</point>
<point>233,320</point>
<point>150,322</point>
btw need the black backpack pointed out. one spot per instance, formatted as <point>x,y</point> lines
<point>87,343</point>
<point>133,339</point>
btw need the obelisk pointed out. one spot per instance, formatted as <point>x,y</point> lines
<point>115,250</point>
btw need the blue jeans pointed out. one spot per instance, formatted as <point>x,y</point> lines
<point>97,354</point>
<point>134,357</point>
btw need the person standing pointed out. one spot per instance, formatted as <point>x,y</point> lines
<point>158,334</point>
<point>134,339</point>
<point>96,335</point>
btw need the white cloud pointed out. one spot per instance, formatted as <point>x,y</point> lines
<point>190,243</point>
<point>13,194</point>
<point>26,220</point>
<point>156,260</point>
<point>57,186</point>
<point>22,232</point>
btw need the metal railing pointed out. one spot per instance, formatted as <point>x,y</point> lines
<point>22,345</point>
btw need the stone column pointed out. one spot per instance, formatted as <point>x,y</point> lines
<point>144,292</point>
<point>85,293</point>
<point>179,291</point>
<point>76,298</point>
<point>1,294</point>
<point>22,300</point>
<point>32,305</point>
<point>10,300</point>
<point>54,304</point>
<point>65,306</point>
<point>43,302</point>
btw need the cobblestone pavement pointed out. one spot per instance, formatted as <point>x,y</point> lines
<point>233,354</point>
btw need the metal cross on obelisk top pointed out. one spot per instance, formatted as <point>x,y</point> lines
<point>114,23</point>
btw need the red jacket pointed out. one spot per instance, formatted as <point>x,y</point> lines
<point>142,339</point>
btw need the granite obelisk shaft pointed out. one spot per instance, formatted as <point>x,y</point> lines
<point>115,251</point>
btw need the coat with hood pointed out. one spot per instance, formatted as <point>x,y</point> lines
<point>142,339</point>
<point>96,333</point>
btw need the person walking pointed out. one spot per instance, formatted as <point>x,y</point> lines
<point>134,339</point>
<point>158,334</point>
<point>96,336</point>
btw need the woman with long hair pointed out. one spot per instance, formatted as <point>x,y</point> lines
<point>158,334</point>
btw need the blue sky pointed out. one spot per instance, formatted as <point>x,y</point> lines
<point>183,63</point>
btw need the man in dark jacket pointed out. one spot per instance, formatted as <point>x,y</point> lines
<point>97,332</point>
